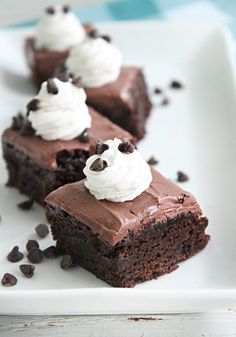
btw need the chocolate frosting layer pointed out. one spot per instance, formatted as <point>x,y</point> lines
<point>44,152</point>
<point>112,221</point>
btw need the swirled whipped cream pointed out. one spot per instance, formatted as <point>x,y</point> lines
<point>117,172</point>
<point>97,61</point>
<point>58,29</point>
<point>59,111</point>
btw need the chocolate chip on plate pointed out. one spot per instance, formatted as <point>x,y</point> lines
<point>66,9</point>
<point>50,252</point>
<point>27,270</point>
<point>31,244</point>
<point>98,165</point>
<point>66,262</point>
<point>50,10</point>
<point>157,91</point>
<point>15,255</point>
<point>126,147</point>
<point>35,255</point>
<point>152,161</point>
<point>9,280</point>
<point>176,84</point>
<point>42,230</point>
<point>182,177</point>
<point>26,205</point>
<point>101,147</point>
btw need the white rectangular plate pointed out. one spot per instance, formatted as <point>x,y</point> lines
<point>195,133</point>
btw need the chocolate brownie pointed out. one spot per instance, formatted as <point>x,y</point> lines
<point>125,243</point>
<point>37,167</point>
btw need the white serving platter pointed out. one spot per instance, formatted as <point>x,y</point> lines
<point>195,133</point>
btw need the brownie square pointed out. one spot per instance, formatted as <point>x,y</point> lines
<point>130,242</point>
<point>37,167</point>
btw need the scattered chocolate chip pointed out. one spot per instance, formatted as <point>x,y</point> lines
<point>17,122</point>
<point>165,101</point>
<point>66,262</point>
<point>182,177</point>
<point>9,280</point>
<point>51,87</point>
<point>31,244</point>
<point>93,33</point>
<point>27,129</point>
<point>50,10</point>
<point>126,147</point>
<point>42,230</point>
<point>152,161</point>
<point>27,270</point>
<point>182,198</point>
<point>106,38</point>
<point>50,252</point>
<point>33,105</point>
<point>15,255</point>
<point>98,165</point>
<point>84,137</point>
<point>26,205</point>
<point>35,255</point>
<point>66,8</point>
<point>176,85</point>
<point>77,81</point>
<point>101,147</point>
<point>157,91</point>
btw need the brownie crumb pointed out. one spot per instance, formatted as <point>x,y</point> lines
<point>9,280</point>
<point>106,38</point>
<point>126,147</point>
<point>27,129</point>
<point>35,255</point>
<point>50,252</point>
<point>66,262</point>
<point>26,205</point>
<point>27,270</point>
<point>42,230</point>
<point>98,165</point>
<point>50,10</point>
<point>31,244</point>
<point>165,101</point>
<point>157,91</point>
<point>182,177</point>
<point>101,147</point>
<point>152,161</point>
<point>51,87</point>
<point>84,137</point>
<point>17,121</point>
<point>15,255</point>
<point>176,84</point>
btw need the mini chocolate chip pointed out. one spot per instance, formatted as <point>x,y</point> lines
<point>33,105</point>
<point>66,262</point>
<point>176,85</point>
<point>101,147</point>
<point>165,101</point>
<point>27,270</point>
<point>77,81</point>
<point>51,87</point>
<point>27,129</point>
<point>50,10</point>
<point>17,122</point>
<point>98,165</point>
<point>26,205</point>
<point>66,8</point>
<point>106,38</point>
<point>9,280</point>
<point>31,244</point>
<point>182,177</point>
<point>152,161</point>
<point>84,137</point>
<point>35,255</point>
<point>42,230</point>
<point>126,147</point>
<point>15,255</point>
<point>50,252</point>
<point>93,33</point>
<point>157,91</point>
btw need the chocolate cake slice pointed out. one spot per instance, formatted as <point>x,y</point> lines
<point>37,166</point>
<point>125,243</point>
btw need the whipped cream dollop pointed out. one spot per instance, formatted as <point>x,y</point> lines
<point>59,111</point>
<point>97,61</point>
<point>58,29</point>
<point>117,173</point>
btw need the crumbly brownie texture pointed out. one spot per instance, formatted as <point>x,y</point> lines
<point>128,243</point>
<point>37,167</point>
